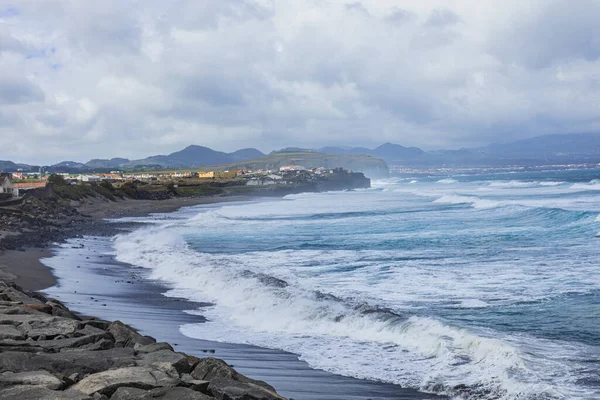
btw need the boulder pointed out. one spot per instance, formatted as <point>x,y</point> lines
<point>176,393</point>
<point>151,348</point>
<point>45,308</point>
<point>68,363</point>
<point>107,382</point>
<point>10,332</point>
<point>178,360</point>
<point>9,293</point>
<point>49,328</point>
<point>18,319</point>
<point>97,323</point>
<point>37,378</point>
<point>228,384</point>
<point>28,392</point>
<point>125,336</point>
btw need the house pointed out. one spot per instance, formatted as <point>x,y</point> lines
<point>7,189</point>
<point>210,174</point>
<point>112,177</point>
<point>292,168</point>
<point>23,187</point>
<point>89,178</point>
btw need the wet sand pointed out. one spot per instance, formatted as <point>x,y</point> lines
<point>25,268</point>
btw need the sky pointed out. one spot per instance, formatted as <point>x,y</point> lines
<point>117,78</point>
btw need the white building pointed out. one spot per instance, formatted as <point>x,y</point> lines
<point>6,186</point>
<point>291,168</point>
<point>89,178</point>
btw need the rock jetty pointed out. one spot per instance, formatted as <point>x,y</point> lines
<point>49,352</point>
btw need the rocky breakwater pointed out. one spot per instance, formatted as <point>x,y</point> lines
<point>48,352</point>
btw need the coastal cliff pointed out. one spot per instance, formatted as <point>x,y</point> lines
<point>49,352</point>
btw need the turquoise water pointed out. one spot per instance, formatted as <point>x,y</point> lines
<point>480,286</point>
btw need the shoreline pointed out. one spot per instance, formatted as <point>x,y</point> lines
<point>22,264</point>
<point>112,290</point>
<point>279,368</point>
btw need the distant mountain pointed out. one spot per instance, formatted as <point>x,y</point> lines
<point>397,153</point>
<point>8,166</point>
<point>102,163</point>
<point>70,164</point>
<point>344,150</point>
<point>391,153</point>
<point>580,145</point>
<point>197,156</point>
<point>547,149</point>
<point>372,167</point>
<point>245,154</point>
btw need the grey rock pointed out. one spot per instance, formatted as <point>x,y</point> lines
<point>228,384</point>
<point>128,393</point>
<point>107,382</point>
<point>126,336</point>
<point>11,294</point>
<point>49,328</point>
<point>178,360</point>
<point>177,393</point>
<point>68,363</point>
<point>97,323</point>
<point>52,345</point>
<point>10,332</point>
<point>18,319</point>
<point>28,392</point>
<point>104,344</point>
<point>151,348</point>
<point>38,378</point>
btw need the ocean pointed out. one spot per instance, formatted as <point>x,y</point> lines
<point>474,286</point>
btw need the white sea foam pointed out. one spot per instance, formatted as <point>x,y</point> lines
<point>551,183</point>
<point>447,181</point>
<point>594,184</point>
<point>413,349</point>
<point>418,352</point>
<point>476,202</point>
<point>513,184</point>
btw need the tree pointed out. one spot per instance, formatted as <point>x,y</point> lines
<point>57,180</point>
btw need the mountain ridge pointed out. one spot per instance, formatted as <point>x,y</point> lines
<point>554,148</point>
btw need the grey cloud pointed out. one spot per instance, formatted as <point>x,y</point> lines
<point>399,16</point>
<point>442,18</point>
<point>233,73</point>
<point>559,31</point>
<point>17,90</point>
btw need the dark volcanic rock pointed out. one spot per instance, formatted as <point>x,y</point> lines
<point>177,393</point>
<point>107,382</point>
<point>47,352</point>
<point>227,384</point>
<point>125,336</point>
<point>27,392</point>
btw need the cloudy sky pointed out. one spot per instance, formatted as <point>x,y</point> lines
<point>94,79</point>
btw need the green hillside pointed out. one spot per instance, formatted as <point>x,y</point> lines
<point>372,167</point>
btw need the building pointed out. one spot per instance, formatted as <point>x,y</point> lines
<point>112,177</point>
<point>210,174</point>
<point>22,188</point>
<point>292,168</point>
<point>7,189</point>
<point>89,178</point>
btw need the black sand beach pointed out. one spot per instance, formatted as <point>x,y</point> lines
<point>111,290</point>
<point>91,282</point>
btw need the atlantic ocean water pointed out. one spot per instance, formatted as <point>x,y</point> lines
<point>477,286</point>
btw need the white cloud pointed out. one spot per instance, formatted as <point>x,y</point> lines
<point>125,78</point>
